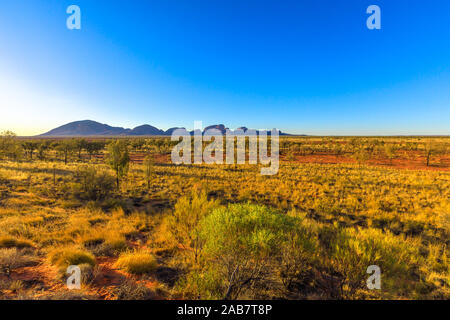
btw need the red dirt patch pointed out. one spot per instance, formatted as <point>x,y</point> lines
<point>43,280</point>
<point>411,160</point>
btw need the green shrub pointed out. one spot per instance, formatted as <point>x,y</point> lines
<point>241,240</point>
<point>353,250</point>
<point>183,224</point>
<point>92,183</point>
<point>298,257</point>
<point>118,159</point>
<point>207,284</point>
<point>255,230</point>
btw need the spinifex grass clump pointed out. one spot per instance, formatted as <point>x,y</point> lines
<point>103,242</point>
<point>137,262</point>
<point>11,242</point>
<point>64,257</point>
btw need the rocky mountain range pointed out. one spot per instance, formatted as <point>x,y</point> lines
<point>93,128</point>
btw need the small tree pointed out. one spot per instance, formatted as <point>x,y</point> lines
<point>433,148</point>
<point>80,145</point>
<point>94,147</point>
<point>118,159</point>
<point>92,184</point>
<point>361,155</point>
<point>337,148</point>
<point>183,225</point>
<point>389,150</point>
<point>137,144</point>
<point>66,148</point>
<point>148,169</point>
<point>42,149</point>
<point>9,147</point>
<point>29,147</point>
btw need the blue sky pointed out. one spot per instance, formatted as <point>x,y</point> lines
<point>301,66</point>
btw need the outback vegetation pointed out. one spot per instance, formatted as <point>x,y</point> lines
<point>140,227</point>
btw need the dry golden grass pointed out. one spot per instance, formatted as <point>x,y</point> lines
<point>137,262</point>
<point>403,213</point>
<point>10,242</point>
<point>67,256</point>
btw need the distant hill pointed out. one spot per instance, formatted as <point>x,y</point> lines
<point>93,128</point>
<point>86,128</point>
<point>147,130</point>
<point>171,130</point>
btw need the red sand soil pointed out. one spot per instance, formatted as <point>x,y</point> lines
<point>43,280</point>
<point>411,160</point>
<point>42,276</point>
<point>414,160</point>
<point>110,277</point>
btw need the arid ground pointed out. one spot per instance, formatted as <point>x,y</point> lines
<point>154,230</point>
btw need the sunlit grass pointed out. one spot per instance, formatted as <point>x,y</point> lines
<point>398,219</point>
<point>137,262</point>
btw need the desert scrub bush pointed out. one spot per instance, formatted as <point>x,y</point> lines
<point>183,224</point>
<point>119,159</point>
<point>137,262</point>
<point>389,151</point>
<point>148,169</point>
<point>206,284</point>
<point>354,249</point>
<point>296,265</point>
<point>433,148</point>
<point>241,240</point>
<point>11,242</point>
<point>93,183</point>
<point>437,271</point>
<point>67,256</point>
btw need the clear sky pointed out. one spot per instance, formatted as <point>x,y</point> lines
<point>307,66</point>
